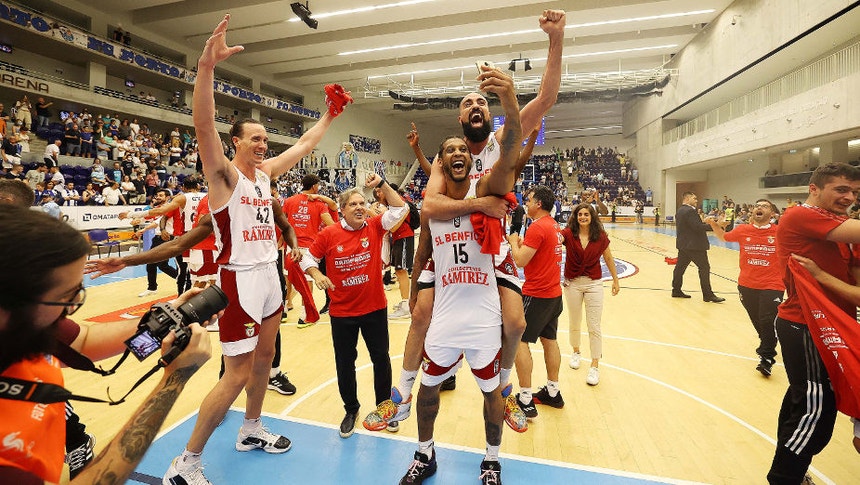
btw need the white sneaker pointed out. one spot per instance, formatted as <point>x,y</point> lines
<point>593,377</point>
<point>191,477</point>
<point>146,293</point>
<point>575,360</point>
<point>401,310</point>
<point>263,439</point>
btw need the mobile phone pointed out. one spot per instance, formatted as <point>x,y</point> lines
<point>489,64</point>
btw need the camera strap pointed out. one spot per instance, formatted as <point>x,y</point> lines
<point>41,392</point>
<point>79,361</point>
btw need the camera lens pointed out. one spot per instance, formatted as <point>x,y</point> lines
<point>202,306</point>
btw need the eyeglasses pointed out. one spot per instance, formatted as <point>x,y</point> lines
<point>73,304</point>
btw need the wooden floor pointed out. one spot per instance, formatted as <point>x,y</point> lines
<point>679,396</point>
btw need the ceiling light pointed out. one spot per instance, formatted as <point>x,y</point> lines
<point>472,66</point>
<point>521,32</point>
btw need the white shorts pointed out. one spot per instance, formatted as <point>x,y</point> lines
<point>441,363</point>
<point>254,295</point>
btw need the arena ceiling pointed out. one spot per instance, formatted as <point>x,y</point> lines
<point>427,48</point>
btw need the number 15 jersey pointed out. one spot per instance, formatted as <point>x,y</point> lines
<point>466,309</point>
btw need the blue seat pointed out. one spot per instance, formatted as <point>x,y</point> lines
<point>99,238</point>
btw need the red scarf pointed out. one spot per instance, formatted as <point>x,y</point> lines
<point>837,338</point>
<point>490,231</point>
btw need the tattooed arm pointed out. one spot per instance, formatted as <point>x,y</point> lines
<point>116,462</point>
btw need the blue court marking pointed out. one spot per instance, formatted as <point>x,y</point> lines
<point>122,275</point>
<point>320,456</point>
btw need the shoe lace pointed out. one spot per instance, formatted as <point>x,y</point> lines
<point>386,409</point>
<point>80,455</point>
<point>489,477</point>
<point>415,468</point>
<point>196,477</point>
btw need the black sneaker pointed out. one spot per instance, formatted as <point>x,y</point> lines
<point>491,473</point>
<point>528,409</point>
<point>80,456</point>
<point>543,397</point>
<point>765,366</point>
<point>281,384</point>
<point>347,426</point>
<point>324,309</point>
<point>449,384</point>
<point>421,468</point>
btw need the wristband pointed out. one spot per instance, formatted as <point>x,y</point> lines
<point>379,185</point>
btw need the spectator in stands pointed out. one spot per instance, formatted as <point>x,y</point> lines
<point>73,140</point>
<point>124,129</point>
<point>4,119</point>
<point>175,149</point>
<point>342,182</point>
<point>15,173</point>
<point>112,194</point>
<point>153,182</point>
<point>71,197</point>
<point>9,151</point>
<point>35,175</point>
<point>115,174</point>
<point>22,112</point>
<point>43,114</point>
<point>88,196</point>
<point>87,142</point>
<point>52,153</point>
<point>50,206</point>
<point>57,176</point>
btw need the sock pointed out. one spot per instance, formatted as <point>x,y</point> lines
<point>552,388</point>
<point>188,460</point>
<point>504,376</point>
<point>492,453</point>
<point>251,425</point>
<point>407,382</point>
<point>525,395</point>
<point>426,448</point>
<point>274,371</point>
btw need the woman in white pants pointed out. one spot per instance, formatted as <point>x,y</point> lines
<point>585,242</point>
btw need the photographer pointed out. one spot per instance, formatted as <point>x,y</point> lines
<point>41,285</point>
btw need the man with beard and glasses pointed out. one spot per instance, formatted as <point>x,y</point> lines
<point>760,281</point>
<point>43,261</point>
<point>483,143</point>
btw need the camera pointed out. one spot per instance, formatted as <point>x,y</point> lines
<point>163,317</point>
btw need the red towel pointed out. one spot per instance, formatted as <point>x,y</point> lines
<point>837,338</point>
<point>336,98</point>
<point>490,231</point>
<point>297,278</point>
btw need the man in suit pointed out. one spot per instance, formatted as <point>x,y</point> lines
<point>692,244</point>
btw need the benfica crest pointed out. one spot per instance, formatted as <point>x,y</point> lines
<point>365,243</point>
<point>249,329</point>
<point>457,221</point>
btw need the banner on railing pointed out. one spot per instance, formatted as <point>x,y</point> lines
<point>49,27</point>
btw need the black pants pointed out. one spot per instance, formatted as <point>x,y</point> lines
<point>761,307</point>
<point>344,335</point>
<point>700,258</point>
<point>152,268</point>
<point>808,411</point>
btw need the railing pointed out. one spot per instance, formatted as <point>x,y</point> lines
<point>799,179</point>
<point>824,71</point>
<point>41,75</point>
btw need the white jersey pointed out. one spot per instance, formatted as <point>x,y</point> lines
<point>245,226</point>
<point>483,162</point>
<point>466,309</point>
<point>189,213</point>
